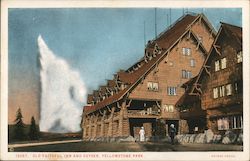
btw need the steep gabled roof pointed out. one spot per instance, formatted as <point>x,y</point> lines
<point>166,41</point>
<point>233,32</point>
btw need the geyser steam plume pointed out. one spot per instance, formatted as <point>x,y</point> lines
<point>62,93</point>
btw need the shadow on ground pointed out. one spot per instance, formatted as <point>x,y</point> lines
<point>127,147</point>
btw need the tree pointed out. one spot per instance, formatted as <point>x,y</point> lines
<point>19,125</point>
<point>33,132</point>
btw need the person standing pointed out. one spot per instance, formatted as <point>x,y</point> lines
<point>142,134</point>
<point>172,131</point>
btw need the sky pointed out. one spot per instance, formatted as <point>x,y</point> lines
<point>96,42</point>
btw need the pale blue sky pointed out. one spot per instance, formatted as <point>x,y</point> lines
<point>96,42</point>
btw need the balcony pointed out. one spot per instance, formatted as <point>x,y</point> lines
<point>147,113</point>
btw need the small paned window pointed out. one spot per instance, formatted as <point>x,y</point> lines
<point>236,122</point>
<point>229,89</point>
<point>153,86</point>
<point>223,123</point>
<point>183,73</point>
<point>171,91</point>
<point>189,74</point>
<point>223,63</point>
<point>168,108</point>
<point>150,86</point>
<point>239,57</point>
<point>192,62</point>
<point>186,74</point>
<point>217,65</point>
<point>186,51</point>
<point>238,87</point>
<point>215,92</point>
<point>222,91</point>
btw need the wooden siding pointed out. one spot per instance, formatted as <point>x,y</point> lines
<point>231,74</point>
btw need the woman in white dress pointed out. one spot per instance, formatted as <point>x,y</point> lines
<point>142,134</point>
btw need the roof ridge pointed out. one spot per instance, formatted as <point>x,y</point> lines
<point>172,25</point>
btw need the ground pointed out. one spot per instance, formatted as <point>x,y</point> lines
<point>126,147</point>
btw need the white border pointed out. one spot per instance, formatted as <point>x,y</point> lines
<point>244,4</point>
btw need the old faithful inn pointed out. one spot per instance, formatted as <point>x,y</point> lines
<point>148,93</point>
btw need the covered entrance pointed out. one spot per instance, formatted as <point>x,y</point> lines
<point>174,122</point>
<point>137,123</point>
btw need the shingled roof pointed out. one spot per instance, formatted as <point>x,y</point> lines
<point>165,41</point>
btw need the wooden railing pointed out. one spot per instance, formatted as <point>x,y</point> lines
<point>143,113</point>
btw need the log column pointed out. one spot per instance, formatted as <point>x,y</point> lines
<point>123,126</point>
<point>95,126</point>
<point>102,123</point>
<point>84,126</point>
<point>90,127</point>
<point>110,129</point>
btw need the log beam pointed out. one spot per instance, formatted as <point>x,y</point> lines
<point>216,47</point>
<point>207,71</point>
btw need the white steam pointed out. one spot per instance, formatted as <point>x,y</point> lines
<point>62,93</point>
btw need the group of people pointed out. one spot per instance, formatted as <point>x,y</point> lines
<point>172,132</point>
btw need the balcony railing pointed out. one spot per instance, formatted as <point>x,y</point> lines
<point>143,113</point>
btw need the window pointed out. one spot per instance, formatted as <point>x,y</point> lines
<point>192,62</point>
<point>229,89</point>
<point>239,57</point>
<point>150,86</point>
<point>183,73</point>
<point>171,91</point>
<point>186,74</point>
<point>153,86</point>
<point>223,63</point>
<point>222,91</point>
<point>220,64</point>
<point>215,92</point>
<point>236,122</point>
<point>189,74</point>
<point>168,108</point>
<point>230,122</point>
<point>186,51</point>
<point>238,87</point>
<point>223,123</point>
<point>217,65</point>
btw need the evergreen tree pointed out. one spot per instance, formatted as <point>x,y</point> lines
<point>33,132</point>
<point>19,126</point>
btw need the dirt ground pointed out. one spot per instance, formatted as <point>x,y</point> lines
<point>127,147</point>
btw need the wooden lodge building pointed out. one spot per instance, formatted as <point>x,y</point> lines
<point>149,89</point>
<point>214,98</point>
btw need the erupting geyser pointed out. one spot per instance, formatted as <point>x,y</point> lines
<point>62,93</point>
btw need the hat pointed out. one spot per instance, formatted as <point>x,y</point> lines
<point>142,127</point>
<point>172,125</point>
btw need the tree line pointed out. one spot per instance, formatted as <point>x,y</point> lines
<point>19,128</point>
